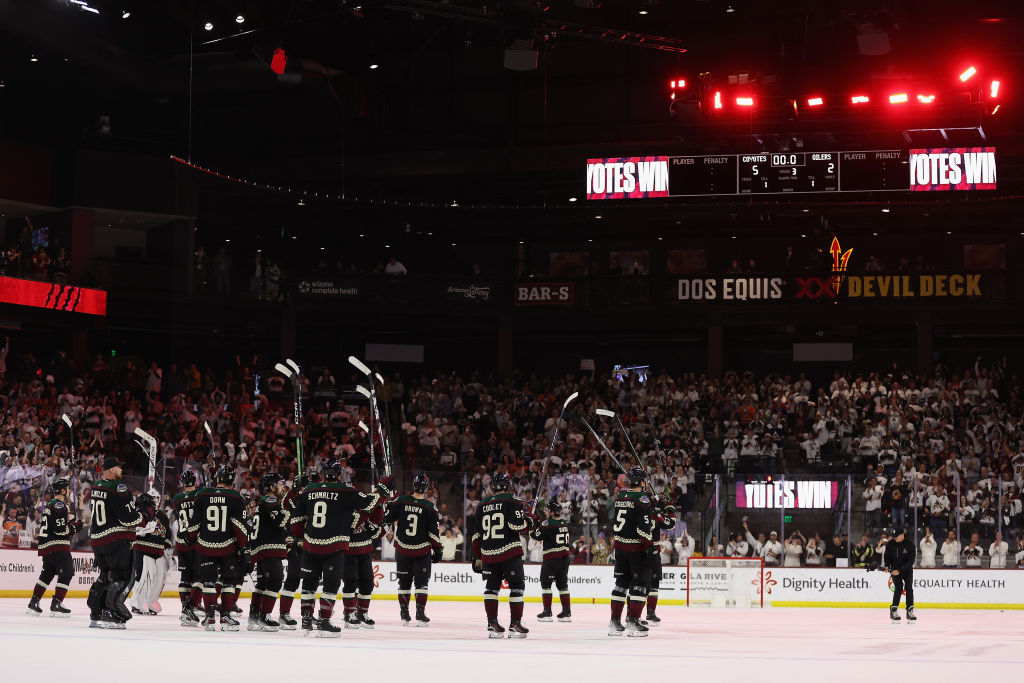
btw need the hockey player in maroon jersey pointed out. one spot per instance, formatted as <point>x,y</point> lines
<point>325,515</point>
<point>56,529</point>
<point>498,554</point>
<point>554,534</point>
<point>293,577</point>
<point>219,532</point>
<point>417,542</point>
<point>268,549</point>
<point>357,574</point>
<point>190,588</point>
<point>633,528</point>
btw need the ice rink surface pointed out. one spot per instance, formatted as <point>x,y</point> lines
<point>788,644</point>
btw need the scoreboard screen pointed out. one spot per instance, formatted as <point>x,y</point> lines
<point>971,168</point>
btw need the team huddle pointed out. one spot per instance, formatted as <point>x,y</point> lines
<point>318,536</point>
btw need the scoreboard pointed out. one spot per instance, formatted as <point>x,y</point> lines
<point>792,173</point>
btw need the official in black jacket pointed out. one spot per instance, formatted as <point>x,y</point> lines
<point>899,560</point>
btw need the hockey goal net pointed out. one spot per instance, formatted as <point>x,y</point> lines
<point>725,582</point>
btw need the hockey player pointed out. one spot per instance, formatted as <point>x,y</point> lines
<point>899,560</point>
<point>325,515</point>
<point>219,532</point>
<point>56,529</point>
<point>150,565</point>
<point>190,588</point>
<point>113,518</point>
<point>664,519</point>
<point>357,574</point>
<point>633,535</point>
<point>417,542</point>
<point>293,578</point>
<point>554,534</point>
<point>498,554</point>
<point>267,540</point>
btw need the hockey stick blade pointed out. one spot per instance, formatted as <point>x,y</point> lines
<point>572,397</point>
<point>293,365</point>
<point>363,390</point>
<point>604,413</point>
<point>144,435</point>
<point>206,426</point>
<point>362,425</point>
<point>283,369</point>
<point>359,365</point>
<point>67,420</point>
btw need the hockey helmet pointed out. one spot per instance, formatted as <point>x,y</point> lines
<point>637,476</point>
<point>269,481</point>
<point>59,487</point>
<point>501,481</point>
<point>332,470</point>
<point>225,475</point>
<point>420,483</point>
<point>188,478</point>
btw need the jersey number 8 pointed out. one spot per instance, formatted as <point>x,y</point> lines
<point>492,525</point>
<point>319,515</point>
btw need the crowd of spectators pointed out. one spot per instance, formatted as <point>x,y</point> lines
<point>31,255</point>
<point>918,440</point>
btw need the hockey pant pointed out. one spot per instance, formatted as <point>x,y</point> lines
<point>269,579</point>
<point>412,571</point>
<point>293,579</point>
<point>190,588</point>
<point>114,562</point>
<point>654,562</point>
<point>512,571</point>
<point>555,571</point>
<point>223,569</point>
<point>358,585</point>
<point>632,577</point>
<point>57,564</point>
<point>149,582</point>
<point>314,567</point>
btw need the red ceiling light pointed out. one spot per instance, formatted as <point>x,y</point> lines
<point>815,101</point>
<point>718,99</point>
<point>966,75</point>
<point>278,61</point>
<point>926,99</point>
<point>678,83</point>
<point>860,99</point>
<point>744,101</point>
<point>898,98</point>
<point>993,89</point>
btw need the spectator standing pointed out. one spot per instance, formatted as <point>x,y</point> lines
<point>873,503</point>
<point>998,551</point>
<point>928,547</point>
<point>395,267</point>
<point>771,551</point>
<point>950,551</point>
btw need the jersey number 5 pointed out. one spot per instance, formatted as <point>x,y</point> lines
<point>620,520</point>
<point>493,524</point>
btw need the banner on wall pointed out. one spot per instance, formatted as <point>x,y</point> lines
<point>328,289</point>
<point>544,294</point>
<point>783,586</point>
<point>866,287</point>
<point>468,292</point>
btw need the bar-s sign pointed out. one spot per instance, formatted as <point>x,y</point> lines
<point>627,177</point>
<point>952,168</point>
<point>544,293</point>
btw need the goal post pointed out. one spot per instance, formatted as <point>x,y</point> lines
<point>724,582</point>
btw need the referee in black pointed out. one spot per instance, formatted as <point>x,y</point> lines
<point>899,560</point>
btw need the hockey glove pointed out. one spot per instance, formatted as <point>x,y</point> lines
<point>478,566</point>
<point>436,555</point>
<point>670,510</point>
<point>384,487</point>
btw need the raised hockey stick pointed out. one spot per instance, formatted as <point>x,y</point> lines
<point>551,446</point>
<point>148,446</point>
<point>361,367</point>
<point>579,418</point>
<point>373,457</point>
<point>387,418</point>
<point>74,463</point>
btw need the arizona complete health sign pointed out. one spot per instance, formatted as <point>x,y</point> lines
<point>783,586</point>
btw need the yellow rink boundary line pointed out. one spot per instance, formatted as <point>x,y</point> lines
<point>604,601</point>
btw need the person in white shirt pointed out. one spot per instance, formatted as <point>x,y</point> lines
<point>737,547</point>
<point>998,551</point>
<point>938,509</point>
<point>794,550</point>
<point>684,547</point>
<point>450,544</point>
<point>873,506</point>
<point>395,267</point>
<point>665,548</point>
<point>387,546</point>
<point>928,547</point>
<point>771,551</point>
<point>973,553</point>
<point>815,551</point>
<point>950,551</point>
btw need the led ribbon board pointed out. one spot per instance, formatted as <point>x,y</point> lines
<point>52,295</point>
<point>893,170</point>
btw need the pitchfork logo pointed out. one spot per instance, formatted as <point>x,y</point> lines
<point>768,583</point>
<point>839,261</point>
<point>377,576</point>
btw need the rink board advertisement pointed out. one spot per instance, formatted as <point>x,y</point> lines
<point>783,586</point>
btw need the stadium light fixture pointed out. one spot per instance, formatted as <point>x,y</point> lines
<point>967,74</point>
<point>208,26</point>
<point>718,99</point>
<point>860,99</point>
<point>744,101</point>
<point>240,19</point>
<point>993,89</point>
<point>125,14</point>
<point>926,99</point>
<point>898,98</point>
<point>815,101</point>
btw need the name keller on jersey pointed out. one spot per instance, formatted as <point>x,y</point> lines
<point>627,177</point>
<point>953,168</point>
